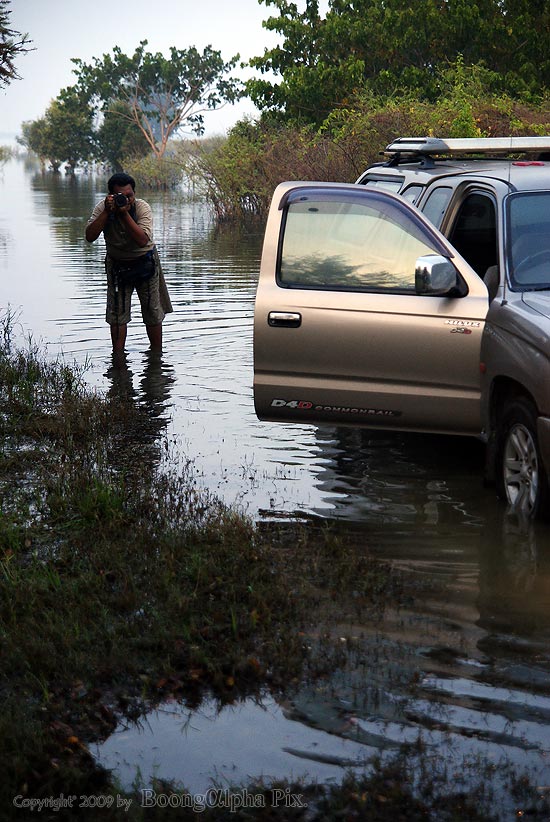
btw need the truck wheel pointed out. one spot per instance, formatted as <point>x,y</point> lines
<point>521,477</point>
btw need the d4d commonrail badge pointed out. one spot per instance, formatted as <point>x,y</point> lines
<point>305,405</point>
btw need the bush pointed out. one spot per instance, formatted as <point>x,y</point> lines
<point>155,172</point>
<point>240,174</point>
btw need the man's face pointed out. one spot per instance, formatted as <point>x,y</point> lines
<point>128,192</point>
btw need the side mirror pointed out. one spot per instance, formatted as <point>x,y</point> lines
<point>436,276</point>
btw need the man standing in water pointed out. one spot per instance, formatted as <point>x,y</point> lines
<point>131,261</point>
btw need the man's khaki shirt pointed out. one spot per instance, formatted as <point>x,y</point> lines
<point>120,246</point>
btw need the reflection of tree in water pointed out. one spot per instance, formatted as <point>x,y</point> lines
<point>146,407</point>
<point>67,203</point>
<point>200,256</point>
<point>210,241</point>
<point>333,271</point>
<point>514,578</point>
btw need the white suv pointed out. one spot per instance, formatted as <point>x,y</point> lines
<point>417,299</point>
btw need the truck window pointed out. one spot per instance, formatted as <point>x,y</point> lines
<point>350,246</point>
<point>412,193</point>
<point>392,184</point>
<point>435,206</point>
<point>474,232</point>
<point>529,239</point>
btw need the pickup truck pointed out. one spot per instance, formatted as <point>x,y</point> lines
<point>417,299</point>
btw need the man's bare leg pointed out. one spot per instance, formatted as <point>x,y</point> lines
<point>118,338</point>
<point>154,332</point>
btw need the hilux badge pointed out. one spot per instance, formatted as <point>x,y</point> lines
<point>469,323</point>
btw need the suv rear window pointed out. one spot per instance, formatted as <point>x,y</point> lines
<point>412,193</point>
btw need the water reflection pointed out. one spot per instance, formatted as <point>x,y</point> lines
<point>151,395</point>
<point>157,378</point>
<point>220,744</point>
<point>121,379</point>
<point>156,381</point>
<point>457,675</point>
<point>514,580</point>
<point>420,481</point>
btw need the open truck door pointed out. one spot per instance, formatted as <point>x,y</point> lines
<point>365,315</point>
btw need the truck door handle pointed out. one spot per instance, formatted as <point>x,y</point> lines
<point>284,319</point>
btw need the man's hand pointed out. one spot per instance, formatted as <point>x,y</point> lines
<point>111,210</point>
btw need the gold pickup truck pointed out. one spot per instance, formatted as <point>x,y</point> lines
<point>418,299</point>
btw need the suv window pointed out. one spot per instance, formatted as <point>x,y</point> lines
<point>412,193</point>
<point>436,204</point>
<point>529,239</point>
<point>474,232</point>
<point>351,246</point>
<point>384,183</point>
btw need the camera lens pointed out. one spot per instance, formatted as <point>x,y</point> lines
<point>120,200</point>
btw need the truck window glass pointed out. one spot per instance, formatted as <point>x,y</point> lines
<point>436,204</point>
<point>350,246</point>
<point>384,185</point>
<point>474,232</point>
<point>412,193</point>
<point>529,239</point>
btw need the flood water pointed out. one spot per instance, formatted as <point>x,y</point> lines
<point>467,668</point>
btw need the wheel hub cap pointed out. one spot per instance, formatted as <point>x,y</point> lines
<point>521,469</point>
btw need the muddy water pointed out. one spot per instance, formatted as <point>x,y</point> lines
<point>464,665</point>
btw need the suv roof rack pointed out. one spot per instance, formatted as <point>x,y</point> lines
<point>425,146</point>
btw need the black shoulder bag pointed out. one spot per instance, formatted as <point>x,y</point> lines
<point>134,272</point>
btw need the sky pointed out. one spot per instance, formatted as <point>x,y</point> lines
<point>62,29</point>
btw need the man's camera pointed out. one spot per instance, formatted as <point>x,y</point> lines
<point>121,200</point>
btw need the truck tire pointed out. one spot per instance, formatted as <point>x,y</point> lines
<point>521,478</point>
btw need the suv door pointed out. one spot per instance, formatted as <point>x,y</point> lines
<point>344,331</point>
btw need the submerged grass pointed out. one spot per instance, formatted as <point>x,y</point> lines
<point>121,584</point>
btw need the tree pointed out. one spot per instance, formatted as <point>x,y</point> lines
<point>300,63</point>
<point>158,95</point>
<point>33,137</point>
<point>64,134</point>
<point>390,46</point>
<point>117,138</point>
<point>12,44</point>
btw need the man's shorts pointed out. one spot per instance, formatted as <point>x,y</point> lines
<point>119,300</point>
